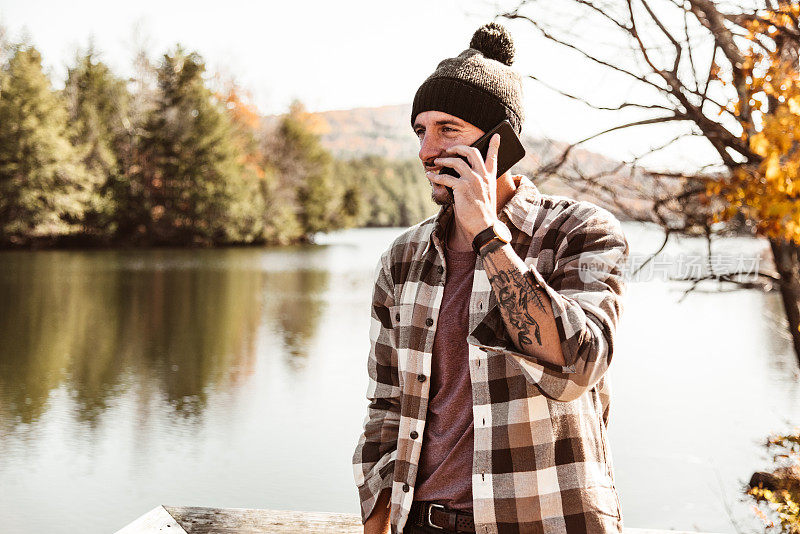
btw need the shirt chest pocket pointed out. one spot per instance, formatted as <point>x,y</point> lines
<point>410,329</point>
<point>411,324</point>
<point>402,317</point>
<point>413,316</point>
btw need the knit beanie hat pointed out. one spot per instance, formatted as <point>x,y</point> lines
<point>479,85</point>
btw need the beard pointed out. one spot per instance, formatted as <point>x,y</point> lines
<point>441,195</point>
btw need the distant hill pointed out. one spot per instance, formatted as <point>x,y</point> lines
<point>382,131</point>
<point>386,131</point>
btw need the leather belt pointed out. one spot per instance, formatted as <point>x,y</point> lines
<point>437,516</point>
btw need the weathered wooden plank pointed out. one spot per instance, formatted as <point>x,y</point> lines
<point>247,521</point>
<point>156,520</point>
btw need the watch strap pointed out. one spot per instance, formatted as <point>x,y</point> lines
<point>483,237</point>
<point>493,244</point>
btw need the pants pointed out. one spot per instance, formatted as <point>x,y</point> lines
<point>411,527</point>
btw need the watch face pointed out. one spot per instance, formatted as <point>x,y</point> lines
<point>502,232</point>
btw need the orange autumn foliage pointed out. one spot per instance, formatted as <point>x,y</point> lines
<point>313,122</point>
<point>767,191</point>
<point>246,120</point>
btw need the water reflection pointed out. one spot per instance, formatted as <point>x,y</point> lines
<point>294,304</point>
<point>102,322</point>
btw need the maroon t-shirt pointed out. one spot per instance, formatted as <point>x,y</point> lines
<point>445,464</point>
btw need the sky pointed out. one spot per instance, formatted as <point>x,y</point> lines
<point>340,55</point>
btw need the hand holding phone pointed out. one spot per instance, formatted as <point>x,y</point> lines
<point>510,153</point>
<point>476,205</point>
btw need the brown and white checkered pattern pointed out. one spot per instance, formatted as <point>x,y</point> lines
<point>541,463</point>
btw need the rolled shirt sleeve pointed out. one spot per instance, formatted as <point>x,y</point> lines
<point>585,291</point>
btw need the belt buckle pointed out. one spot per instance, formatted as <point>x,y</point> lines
<point>431,507</point>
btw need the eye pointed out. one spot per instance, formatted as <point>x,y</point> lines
<point>419,131</point>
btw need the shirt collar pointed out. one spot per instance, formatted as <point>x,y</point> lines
<point>517,209</point>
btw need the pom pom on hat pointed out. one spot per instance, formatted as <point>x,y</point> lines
<point>494,42</point>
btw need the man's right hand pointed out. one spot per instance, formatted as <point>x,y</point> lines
<point>378,521</point>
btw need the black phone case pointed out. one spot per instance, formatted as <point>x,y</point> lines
<point>510,153</point>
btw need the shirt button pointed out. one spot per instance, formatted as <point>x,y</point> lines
<point>421,378</point>
<point>414,434</point>
<point>440,269</point>
<point>405,488</point>
<point>429,321</point>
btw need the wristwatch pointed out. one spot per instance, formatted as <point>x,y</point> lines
<point>498,230</point>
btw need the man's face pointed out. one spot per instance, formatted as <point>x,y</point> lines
<point>437,131</point>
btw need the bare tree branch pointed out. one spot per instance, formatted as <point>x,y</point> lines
<point>546,34</point>
<point>596,106</point>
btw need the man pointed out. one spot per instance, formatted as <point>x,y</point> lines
<point>493,325</point>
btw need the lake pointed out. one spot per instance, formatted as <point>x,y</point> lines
<point>236,377</point>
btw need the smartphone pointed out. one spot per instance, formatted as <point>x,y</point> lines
<point>511,150</point>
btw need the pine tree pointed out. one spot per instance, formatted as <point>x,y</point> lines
<point>97,102</point>
<point>43,184</point>
<point>306,168</point>
<point>189,176</point>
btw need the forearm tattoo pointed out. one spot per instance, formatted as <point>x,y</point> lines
<point>515,292</point>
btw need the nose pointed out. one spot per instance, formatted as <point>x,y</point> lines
<point>429,149</point>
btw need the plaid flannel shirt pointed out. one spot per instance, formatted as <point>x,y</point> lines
<point>541,460</point>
